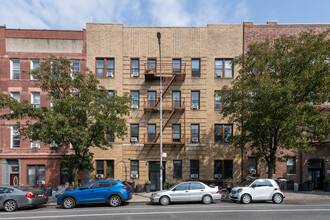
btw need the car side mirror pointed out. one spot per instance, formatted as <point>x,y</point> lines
<point>174,189</point>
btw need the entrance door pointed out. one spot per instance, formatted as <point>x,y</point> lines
<point>14,179</point>
<point>315,172</point>
<point>154,174</point>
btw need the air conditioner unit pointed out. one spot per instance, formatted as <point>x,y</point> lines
<point>193,176</point>
<point>194,106</point>
<point>134,106</point>
<point>41,182</point>
<point>35,144</point>
<point>135,74</point>
<point>109,74</point>
<point>99,176</point>
<point>217,74</point>
<point>134,139</point>
<point>194,139</point>
<point>217,176</point>
<point>134,176</point>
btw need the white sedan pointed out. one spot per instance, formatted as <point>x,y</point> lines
<point>186,192</point>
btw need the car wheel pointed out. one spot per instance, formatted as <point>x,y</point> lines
<point>277,198</point>
<point>206,199</point>
<point>68,203</point>
<point>114,201</point>
<point>246,199</point>
<point>164,200</point>
<point>10,206</point>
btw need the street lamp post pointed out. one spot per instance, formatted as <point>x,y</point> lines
<point>161,115</point>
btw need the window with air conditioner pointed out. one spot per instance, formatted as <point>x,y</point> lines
<point>134,133</point>
<point>223,68</point>
<point>105,67</point>
<point>194,133</point>
<point>135,99</point>
<point>134,67</point>
<point>35,99</point>
<point>217,169</point>
<point>15,69</point>
<point>194,100</point>
<point>194,169</point>
<point>36,175</point>
<point>217,101</point>
<point>134,169</point>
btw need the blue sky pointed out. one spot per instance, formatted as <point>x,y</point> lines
<point>73,14</point>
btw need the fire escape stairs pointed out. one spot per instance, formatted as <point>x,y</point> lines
<point>165,90</point>
<point>164,125</point>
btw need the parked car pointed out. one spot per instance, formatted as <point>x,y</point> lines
<point>14,197</point>
<point>101,191</point>
<point>257,190</point>
<point>185,192</point>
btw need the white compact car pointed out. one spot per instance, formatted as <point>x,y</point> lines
<point>186,192</point>
<point>257,190</point>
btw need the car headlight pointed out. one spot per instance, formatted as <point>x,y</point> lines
<point>239,190</point>
<point>154,194</point>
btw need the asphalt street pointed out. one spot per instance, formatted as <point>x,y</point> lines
<point>219,210</point>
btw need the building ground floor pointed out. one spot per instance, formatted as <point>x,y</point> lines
<point>36,171</point>
<point>299,167</point>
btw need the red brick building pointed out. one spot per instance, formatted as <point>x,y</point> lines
<point>314,166</point>
<point>23,162</point>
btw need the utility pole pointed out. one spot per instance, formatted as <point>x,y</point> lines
<point>161,115</point>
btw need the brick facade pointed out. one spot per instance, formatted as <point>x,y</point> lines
<point>10,48</point>
<point>259,33</point>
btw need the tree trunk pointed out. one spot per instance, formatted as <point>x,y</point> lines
<point>271,167</point>
<point>76,178</point>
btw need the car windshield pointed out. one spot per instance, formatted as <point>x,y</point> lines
<point>246,183</point>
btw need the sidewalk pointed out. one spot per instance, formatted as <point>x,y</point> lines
<point>289,196</point>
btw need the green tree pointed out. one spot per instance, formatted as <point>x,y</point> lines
<point>270,100</point>
<point>80,116</point>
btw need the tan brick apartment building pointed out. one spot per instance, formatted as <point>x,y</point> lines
<point>23,162</point>
<point>314,166</point>
<point>195,63</point>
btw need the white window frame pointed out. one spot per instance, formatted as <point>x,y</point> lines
<point>32,98</point>
<point>32,61</point>
<point>12,95</point>
<point>73,71</point>
<point>12,69</point>
<point>12,137</point>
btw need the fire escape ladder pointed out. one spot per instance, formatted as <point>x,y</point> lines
<point>165,90</point>
<point>164,125</point>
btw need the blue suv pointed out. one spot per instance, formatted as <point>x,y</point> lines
<point>101,191</point>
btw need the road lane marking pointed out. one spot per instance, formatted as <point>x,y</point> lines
<point>165,213</point>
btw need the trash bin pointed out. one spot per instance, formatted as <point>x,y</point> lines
<point>283,184</point>
<point>290,185</point>
<point>132,184</point>
<point>139,188</point>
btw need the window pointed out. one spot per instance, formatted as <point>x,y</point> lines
<point>15,69</point>
<point>228,168</point>
<point>34,64</point>
<point>223,68</point>
<point>35,99</point>
<point>217,101</point>
<point>75,68</point>
<point>177,166</point>
<point>182,187</point>
<point>176,99</point>
<point>36,174</point>
<point>151,132</point>
<point>152,64</point>
<point>151,98</point>
<point>176,65</point>
<point>100,167</point>
<point>134,133</point>
<point>194,99</point>
<point>110,137</point>
<point>16,96</point>
<point>176,133</point>
<point>222,133</point>
<point>195,67</point>
<point>194,186</point>
<point>66,175</point>
<point>134,169</point>
<point>134,67</point>
<point>105,67</point>
<point>110,169</point>
<point>291,165</point>
<point>194,169</point>
<point>135,99</point>
<point>217,169</point>
<point>15,137</point>
<point>252,165</point>
<point>194,133</point>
